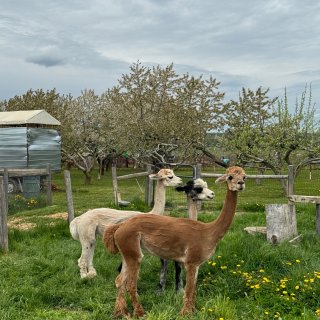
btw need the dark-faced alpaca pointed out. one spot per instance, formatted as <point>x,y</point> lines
<point>196,190</point>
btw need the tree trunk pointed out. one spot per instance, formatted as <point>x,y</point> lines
<point>87,177</point>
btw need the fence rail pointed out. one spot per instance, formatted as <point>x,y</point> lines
<point>249,176</point>
<point>25,172</point>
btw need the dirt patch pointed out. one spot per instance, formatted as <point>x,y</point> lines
<point>23,223</point>
<point>60,215</point>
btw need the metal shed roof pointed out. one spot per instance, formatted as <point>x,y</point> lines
<point>28,117</point>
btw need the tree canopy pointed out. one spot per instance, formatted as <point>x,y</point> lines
<point>155,115</point>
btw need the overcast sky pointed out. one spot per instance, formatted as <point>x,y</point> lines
<point>73,45</point>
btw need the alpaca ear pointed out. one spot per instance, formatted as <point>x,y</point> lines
<point>180,189</point>
<point>221,179</point>
<point>154,176</point>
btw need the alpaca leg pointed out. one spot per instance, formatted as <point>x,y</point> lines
<point>82,261</point>
<point>91,270</point>
<point>121,308</point>
<point>163,276</point>
<point>190,290</point>
<point>133,274</point>
<point>179,280</point>
<point>87,238</point>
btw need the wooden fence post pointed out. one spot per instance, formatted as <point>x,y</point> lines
<point>290,180</point>
<point>4,243</point>
<point>197,175</point>
<point>318,218</point>
<point>6,186</point>
<point>49,186</point>
<point>198,171</point>
<point>149,187</point>
<point>115,184</point>
<point>67,181</point>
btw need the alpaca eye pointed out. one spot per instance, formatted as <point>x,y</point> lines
<point>244,178</point>
<point>170,177</point>
<point>230,177</point>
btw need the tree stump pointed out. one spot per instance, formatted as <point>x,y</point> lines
<point>281,222</point>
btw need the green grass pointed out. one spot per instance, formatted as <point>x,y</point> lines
<point>40,277</point>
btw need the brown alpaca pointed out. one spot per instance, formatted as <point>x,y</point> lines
<point>183,240</point>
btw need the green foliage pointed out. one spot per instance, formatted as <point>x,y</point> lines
<point>17,203</point>
<point>270,132</point>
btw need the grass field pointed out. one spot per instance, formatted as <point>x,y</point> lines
<point>247,278</point>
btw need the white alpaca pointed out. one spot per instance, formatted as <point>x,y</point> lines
<point>85,227</point>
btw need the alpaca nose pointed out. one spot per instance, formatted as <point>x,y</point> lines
<point>241,185</point>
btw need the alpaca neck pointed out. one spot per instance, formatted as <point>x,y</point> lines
<point>223,222</point>
<point>192,208</point>
<point>159,198</point>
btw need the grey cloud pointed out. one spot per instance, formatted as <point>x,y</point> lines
<point>46,61</point>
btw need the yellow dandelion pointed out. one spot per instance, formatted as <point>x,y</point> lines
<point>298,261</point>
<point>297,287</point>
<point>224,267</point>
<point>261,271</point>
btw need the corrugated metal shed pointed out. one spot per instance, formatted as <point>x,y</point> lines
<point>27,140</point>
<point>40,117</point>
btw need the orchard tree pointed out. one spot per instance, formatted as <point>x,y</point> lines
<point>262,131</point>
<point>161,115</point>
<point>297,132</point>
<point>35,100</point>
<point>82,132</point>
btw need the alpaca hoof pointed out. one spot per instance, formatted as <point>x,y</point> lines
<point>119,313</point>
<point>180,291</point>
<point>91,274</point>
<point>186,311</point>
<point>139,312</point>
<point>159,290</point>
